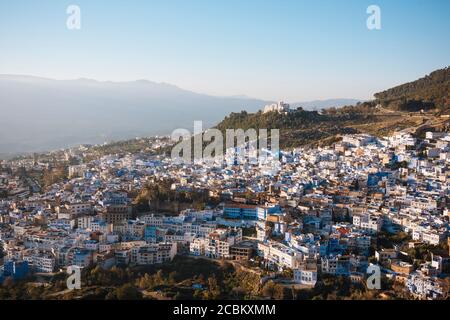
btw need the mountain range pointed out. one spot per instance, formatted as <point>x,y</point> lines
<point>39,114</point>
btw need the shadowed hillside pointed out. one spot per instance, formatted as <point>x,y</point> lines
<point>429,92</point>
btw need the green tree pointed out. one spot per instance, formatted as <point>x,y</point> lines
<point>213,291</point>
<point>128,292</point>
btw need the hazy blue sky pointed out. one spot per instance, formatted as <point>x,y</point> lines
<point>280,49</point>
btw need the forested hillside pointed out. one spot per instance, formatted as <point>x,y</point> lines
<point>429,92</point>
<point>392,110</point>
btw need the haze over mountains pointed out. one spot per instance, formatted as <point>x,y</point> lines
<point>40,114</point>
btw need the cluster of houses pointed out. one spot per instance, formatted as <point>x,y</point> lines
<point>319,212</point>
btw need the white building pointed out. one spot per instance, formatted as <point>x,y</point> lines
<point>218,243</point>
<point>41,262</point>
<point>153,253</point>
<point>197,247</point>
<point>279,107</point>
<point>425,287</point>
<point>278,254</point>
<point>306,274</point>
<point>368,222</point>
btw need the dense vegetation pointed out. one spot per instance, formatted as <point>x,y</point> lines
<point>132,146</point>
<point>429,92</point>
<point>299,127</point>
<point>183,278</point>
<point>159,196</point>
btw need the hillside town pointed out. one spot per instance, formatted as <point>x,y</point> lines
<point>322,212</point>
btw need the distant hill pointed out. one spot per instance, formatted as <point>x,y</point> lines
<point>429,92</point>
<point>40,114</point>
<point>311,128</point>
<point>299,127</point>
<point>399,111</point>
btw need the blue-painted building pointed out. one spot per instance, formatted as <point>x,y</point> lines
<point>82,258</point>
<point>248,211</point>
<point>374,178</point>
<point>15,269</point>
<point>150,234</point>
<point>240,211</point>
